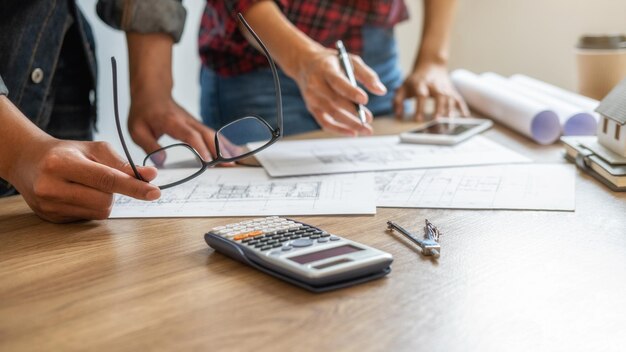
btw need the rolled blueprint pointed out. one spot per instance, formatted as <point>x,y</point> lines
<point>574,120</point>
<point>524,115</point>
<point>587,104</point>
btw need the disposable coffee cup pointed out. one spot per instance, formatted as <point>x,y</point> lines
<point>601,64</point>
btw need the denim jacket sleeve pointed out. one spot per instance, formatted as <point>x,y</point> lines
<point>144,16</point>
<point>3,88</point>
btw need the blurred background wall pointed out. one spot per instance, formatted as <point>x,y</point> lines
<point>534,37</point>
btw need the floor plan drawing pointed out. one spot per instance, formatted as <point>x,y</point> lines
<point>272,190</point>
<point>201,192</point>
<point>377,157</point>
<point>250,192</point>
<point>341,155</point>
<point>520,187</point>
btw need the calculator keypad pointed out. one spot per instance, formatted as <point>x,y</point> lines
<point>273,232</point>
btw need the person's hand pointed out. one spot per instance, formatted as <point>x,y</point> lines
<point>328,94</point>
<point>153,111</point>
<point>430,80</point>
<point>150,118</point>
<point>326,90</point>
<point>63,181</point>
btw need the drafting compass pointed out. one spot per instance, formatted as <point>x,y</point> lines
<point>429,244</point>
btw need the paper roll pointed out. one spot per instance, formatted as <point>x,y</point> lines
<point>522,114</point>
<point>574,120</point>
<point>587,104</point>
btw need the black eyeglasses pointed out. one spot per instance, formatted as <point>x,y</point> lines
<point>226,152</point>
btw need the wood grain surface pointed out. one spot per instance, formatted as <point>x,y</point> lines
<point>506,281</point>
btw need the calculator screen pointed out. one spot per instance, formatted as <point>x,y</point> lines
<point>327,253</point>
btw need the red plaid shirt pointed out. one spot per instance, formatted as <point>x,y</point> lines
<point>225,50</point>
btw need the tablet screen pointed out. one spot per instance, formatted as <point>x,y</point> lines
<point>445,129</point>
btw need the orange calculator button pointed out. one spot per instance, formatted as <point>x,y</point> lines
<point>247,234</point>
<point>254,233</point>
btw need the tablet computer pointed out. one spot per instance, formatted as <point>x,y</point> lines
<point>447,131</point>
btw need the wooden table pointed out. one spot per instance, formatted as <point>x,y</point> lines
<point>506,280</point>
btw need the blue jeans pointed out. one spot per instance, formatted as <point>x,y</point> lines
<point>224,99</point>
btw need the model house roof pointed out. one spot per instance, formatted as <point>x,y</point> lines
<point>614,105</point>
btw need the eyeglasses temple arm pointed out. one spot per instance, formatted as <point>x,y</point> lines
<point>279,100</point>
<point>117,120</point>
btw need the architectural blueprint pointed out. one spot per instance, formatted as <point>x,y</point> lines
<point>524,186</point>
<point>339,155</point>
<point>250,192</point>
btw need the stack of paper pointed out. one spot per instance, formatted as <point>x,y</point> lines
<point>431,178</point>
<point>250,192</point>
<point>339,155</point>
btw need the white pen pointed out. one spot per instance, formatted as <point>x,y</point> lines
<point>344,59</point>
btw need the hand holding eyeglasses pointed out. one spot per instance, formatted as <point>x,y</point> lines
<point>65,181</point>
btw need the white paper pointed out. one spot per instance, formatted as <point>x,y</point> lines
<point>519,187</point>
<point>250,192</point>
<point>575,121</point>
<point>585,103</point>
<point>340,155</point>
<point>526,116</point>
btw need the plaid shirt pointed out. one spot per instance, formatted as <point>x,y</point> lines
<point>225,50</point>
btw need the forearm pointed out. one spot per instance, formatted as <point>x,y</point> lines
<point>153,111</point>
<point>285,42</point>
<point>438,20</point>
<point>150,65</point>
<point>328,94</point>
<point>17,135</point>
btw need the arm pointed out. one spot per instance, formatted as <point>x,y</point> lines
<point>429,77</point>
<point>152,27</point>
<point>64,180</point>
<point>153,111</point>
<point>328,94</point>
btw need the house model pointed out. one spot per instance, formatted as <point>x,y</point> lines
<point>611,129</point>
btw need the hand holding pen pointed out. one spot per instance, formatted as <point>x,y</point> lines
<point>326,90</point>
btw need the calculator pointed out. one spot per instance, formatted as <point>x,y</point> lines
<point>299,253</point>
